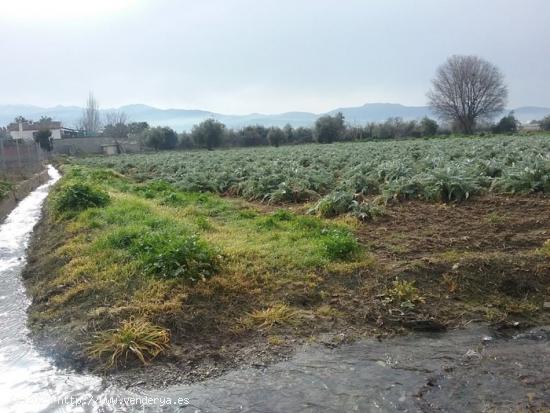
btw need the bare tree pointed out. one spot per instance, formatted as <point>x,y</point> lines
<point>467,89</point>
<point>90,122</point>
<point>116,125</point>
<point>116,118</point>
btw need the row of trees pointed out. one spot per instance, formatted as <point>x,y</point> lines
<point>211,134</point>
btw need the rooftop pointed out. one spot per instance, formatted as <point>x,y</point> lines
<point>32,126</point>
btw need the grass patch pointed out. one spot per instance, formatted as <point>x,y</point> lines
<point>194,264</point>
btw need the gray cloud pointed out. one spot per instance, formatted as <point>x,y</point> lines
<point>243,56</point>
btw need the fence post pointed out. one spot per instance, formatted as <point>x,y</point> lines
<point>19,164</point>
<point>2,156</point>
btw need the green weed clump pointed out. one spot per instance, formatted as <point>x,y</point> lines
<point>76,196</point>
<point>138,340</point>
<point>338,244</point>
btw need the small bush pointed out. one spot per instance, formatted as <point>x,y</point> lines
<point>78,196</point>
<point>139,340</point>
<point>338,244</point>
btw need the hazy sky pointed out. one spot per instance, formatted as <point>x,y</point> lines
<point>240,56</point>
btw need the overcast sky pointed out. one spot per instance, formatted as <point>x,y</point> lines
<point>241,56</point>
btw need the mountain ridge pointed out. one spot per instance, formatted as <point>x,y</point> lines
<point>184,119</point>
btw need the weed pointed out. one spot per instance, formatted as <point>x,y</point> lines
<point>338,244</point>
<point>326,311</point>
<point>279,314</point>
<point>494,218</point>
<point>404,293</point>
<point>77,196</point>
<point>137,339</point>
<point>276,340</point>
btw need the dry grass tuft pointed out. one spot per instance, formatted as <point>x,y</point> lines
<point>138,339</point>
<point>280,314</point>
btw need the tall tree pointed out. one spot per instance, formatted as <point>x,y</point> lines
<point>467,89</point>
<point>208,134</point>
<point>160,138</point>
<point>90,122</point>
<point>276,136</point>
<point>329,128</point>
<point>43,138</point>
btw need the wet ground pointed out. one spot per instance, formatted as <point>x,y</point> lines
<point>471,369</point>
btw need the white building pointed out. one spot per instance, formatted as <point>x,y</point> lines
<point>28,129</point>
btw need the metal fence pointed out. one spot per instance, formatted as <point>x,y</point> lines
<point>20,158</point>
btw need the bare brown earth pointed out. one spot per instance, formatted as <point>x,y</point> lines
<point>481,260</point>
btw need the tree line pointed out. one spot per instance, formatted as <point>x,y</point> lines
<point>211,133</point>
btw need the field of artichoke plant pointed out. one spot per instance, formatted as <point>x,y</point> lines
<point>444,170</point>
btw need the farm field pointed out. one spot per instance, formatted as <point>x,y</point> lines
<point>435,170</point>
<point>236,256</point>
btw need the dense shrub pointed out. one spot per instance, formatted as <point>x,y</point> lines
<point>160,138</point>
<point>276,137</point>
<point>78,196</point>
<point>508,124</point>
<point>428,127</point>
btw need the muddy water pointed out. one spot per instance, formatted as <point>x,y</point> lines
<point>467,370</point>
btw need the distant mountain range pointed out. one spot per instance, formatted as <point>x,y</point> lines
<point>184,119</point>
